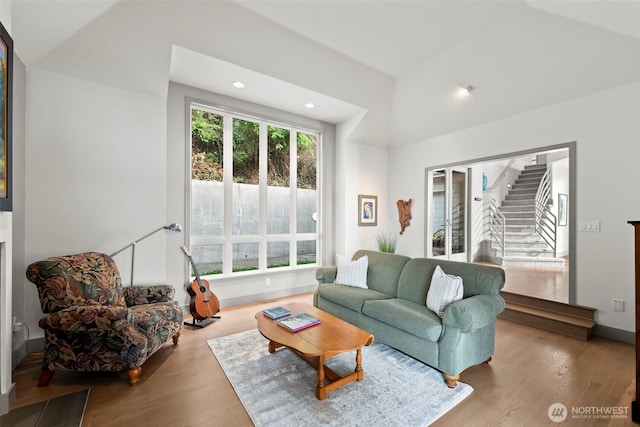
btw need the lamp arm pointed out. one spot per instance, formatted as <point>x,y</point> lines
<point>132,244</point>
<point>172,227</point>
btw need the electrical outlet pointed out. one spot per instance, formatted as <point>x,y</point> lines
<point>617,305</point>
<point>267,281</point>
<point>16,324</point>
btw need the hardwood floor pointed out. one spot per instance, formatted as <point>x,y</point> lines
<point>548,283</point>
<point>184,385</point>
<point>541,282</point>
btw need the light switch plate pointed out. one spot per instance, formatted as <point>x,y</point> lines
<point>591,226</point>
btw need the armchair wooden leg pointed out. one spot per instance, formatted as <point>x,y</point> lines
<point>175,338</point>
<point>134,375</point>
<point>452,381</point>
<point>45,377</point>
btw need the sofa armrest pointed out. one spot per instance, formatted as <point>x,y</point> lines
<point>90,319</point>
<point>326,274</point>
<point>148,294</point>
<point>473,312</point>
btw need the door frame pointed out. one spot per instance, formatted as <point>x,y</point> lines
<point>571,146</point>
<point>448,255</point>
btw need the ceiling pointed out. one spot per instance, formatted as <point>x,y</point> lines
<point>393,36</point>
<point>393,42</point>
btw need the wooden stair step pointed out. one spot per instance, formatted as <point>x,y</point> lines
<point>567,319</point>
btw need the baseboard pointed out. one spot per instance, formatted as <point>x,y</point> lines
<point>7,399</point>
<point>18,354</point>
<point>265,296</point>
<point>615,334</point>
<point>35,345</point>
<point>262,296</point>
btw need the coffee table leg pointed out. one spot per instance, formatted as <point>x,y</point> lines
<point>273,346</point>
<point>359,371</point>
<point>321,391</point>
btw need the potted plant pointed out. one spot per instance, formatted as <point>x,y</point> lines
<point>387,242</point>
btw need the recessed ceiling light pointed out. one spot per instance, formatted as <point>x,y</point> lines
<point>463,92</point>
<point>238,85</point>
<point>466,90</point>
<point>309,105</point>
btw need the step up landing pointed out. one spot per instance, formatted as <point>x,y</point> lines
<point>566,319</point>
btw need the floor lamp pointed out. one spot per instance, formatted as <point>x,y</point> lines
<point>171,227</point>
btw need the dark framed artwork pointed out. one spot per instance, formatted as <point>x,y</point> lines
<point>367,210</point>
<point>6,102</point>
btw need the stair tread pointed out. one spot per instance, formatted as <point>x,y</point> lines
<point>522,244</point>
<point>528,258</point>
<point>560,317</point>
<point>523,299</point>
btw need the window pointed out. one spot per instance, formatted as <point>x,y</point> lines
<point>254,195</point>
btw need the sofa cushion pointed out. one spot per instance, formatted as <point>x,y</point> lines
<point>415,279</point>
<point>384,270</point>
<point>352,273</point>
<point>444,290</point>
<point>348,296</point>
<point>410,317</point>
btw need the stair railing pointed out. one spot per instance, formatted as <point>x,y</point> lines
<point>497,225</point>
<point>501,176</point>
<point>546,223</point>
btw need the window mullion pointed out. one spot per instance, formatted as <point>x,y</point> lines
<point>293,180</point>
<point>227,137</point>
<point>263,165</point>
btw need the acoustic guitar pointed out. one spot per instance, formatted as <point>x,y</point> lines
<point>204,303</point>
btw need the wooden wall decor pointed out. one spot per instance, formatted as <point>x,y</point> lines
<point>404,214</point>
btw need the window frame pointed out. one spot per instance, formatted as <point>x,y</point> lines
<point>263,238</point>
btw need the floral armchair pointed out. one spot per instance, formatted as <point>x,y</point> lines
<point>92,323</point>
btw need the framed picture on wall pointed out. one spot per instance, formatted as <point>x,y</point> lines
<point>367,210</point>
<point>562,209</point>
<point>6,95</point>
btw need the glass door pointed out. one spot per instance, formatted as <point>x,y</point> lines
<point>447,221</point>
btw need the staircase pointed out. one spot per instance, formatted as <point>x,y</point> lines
<point>567,319</point>
<point>523,246</point>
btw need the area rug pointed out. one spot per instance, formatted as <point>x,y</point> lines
<point>279,389</point>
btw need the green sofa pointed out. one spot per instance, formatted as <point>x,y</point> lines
<point>394,310</point>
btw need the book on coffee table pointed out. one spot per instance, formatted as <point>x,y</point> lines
<point>276,312</point>
<point>298,322</point>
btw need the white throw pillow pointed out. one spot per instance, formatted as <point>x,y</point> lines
<point>444,290</point>
<point>352,273</point>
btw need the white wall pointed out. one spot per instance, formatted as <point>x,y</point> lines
<point>96,175</point>
<point>605,126</point>
<point>366,172</point>
<point>18,220</point>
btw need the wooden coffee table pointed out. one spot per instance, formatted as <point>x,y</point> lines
<point>318,343</point>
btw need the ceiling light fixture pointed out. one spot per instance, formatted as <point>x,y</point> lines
<point>309,105</point>
<point>466,90</point>
<point>463,92</point>
<point>238,85</point>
